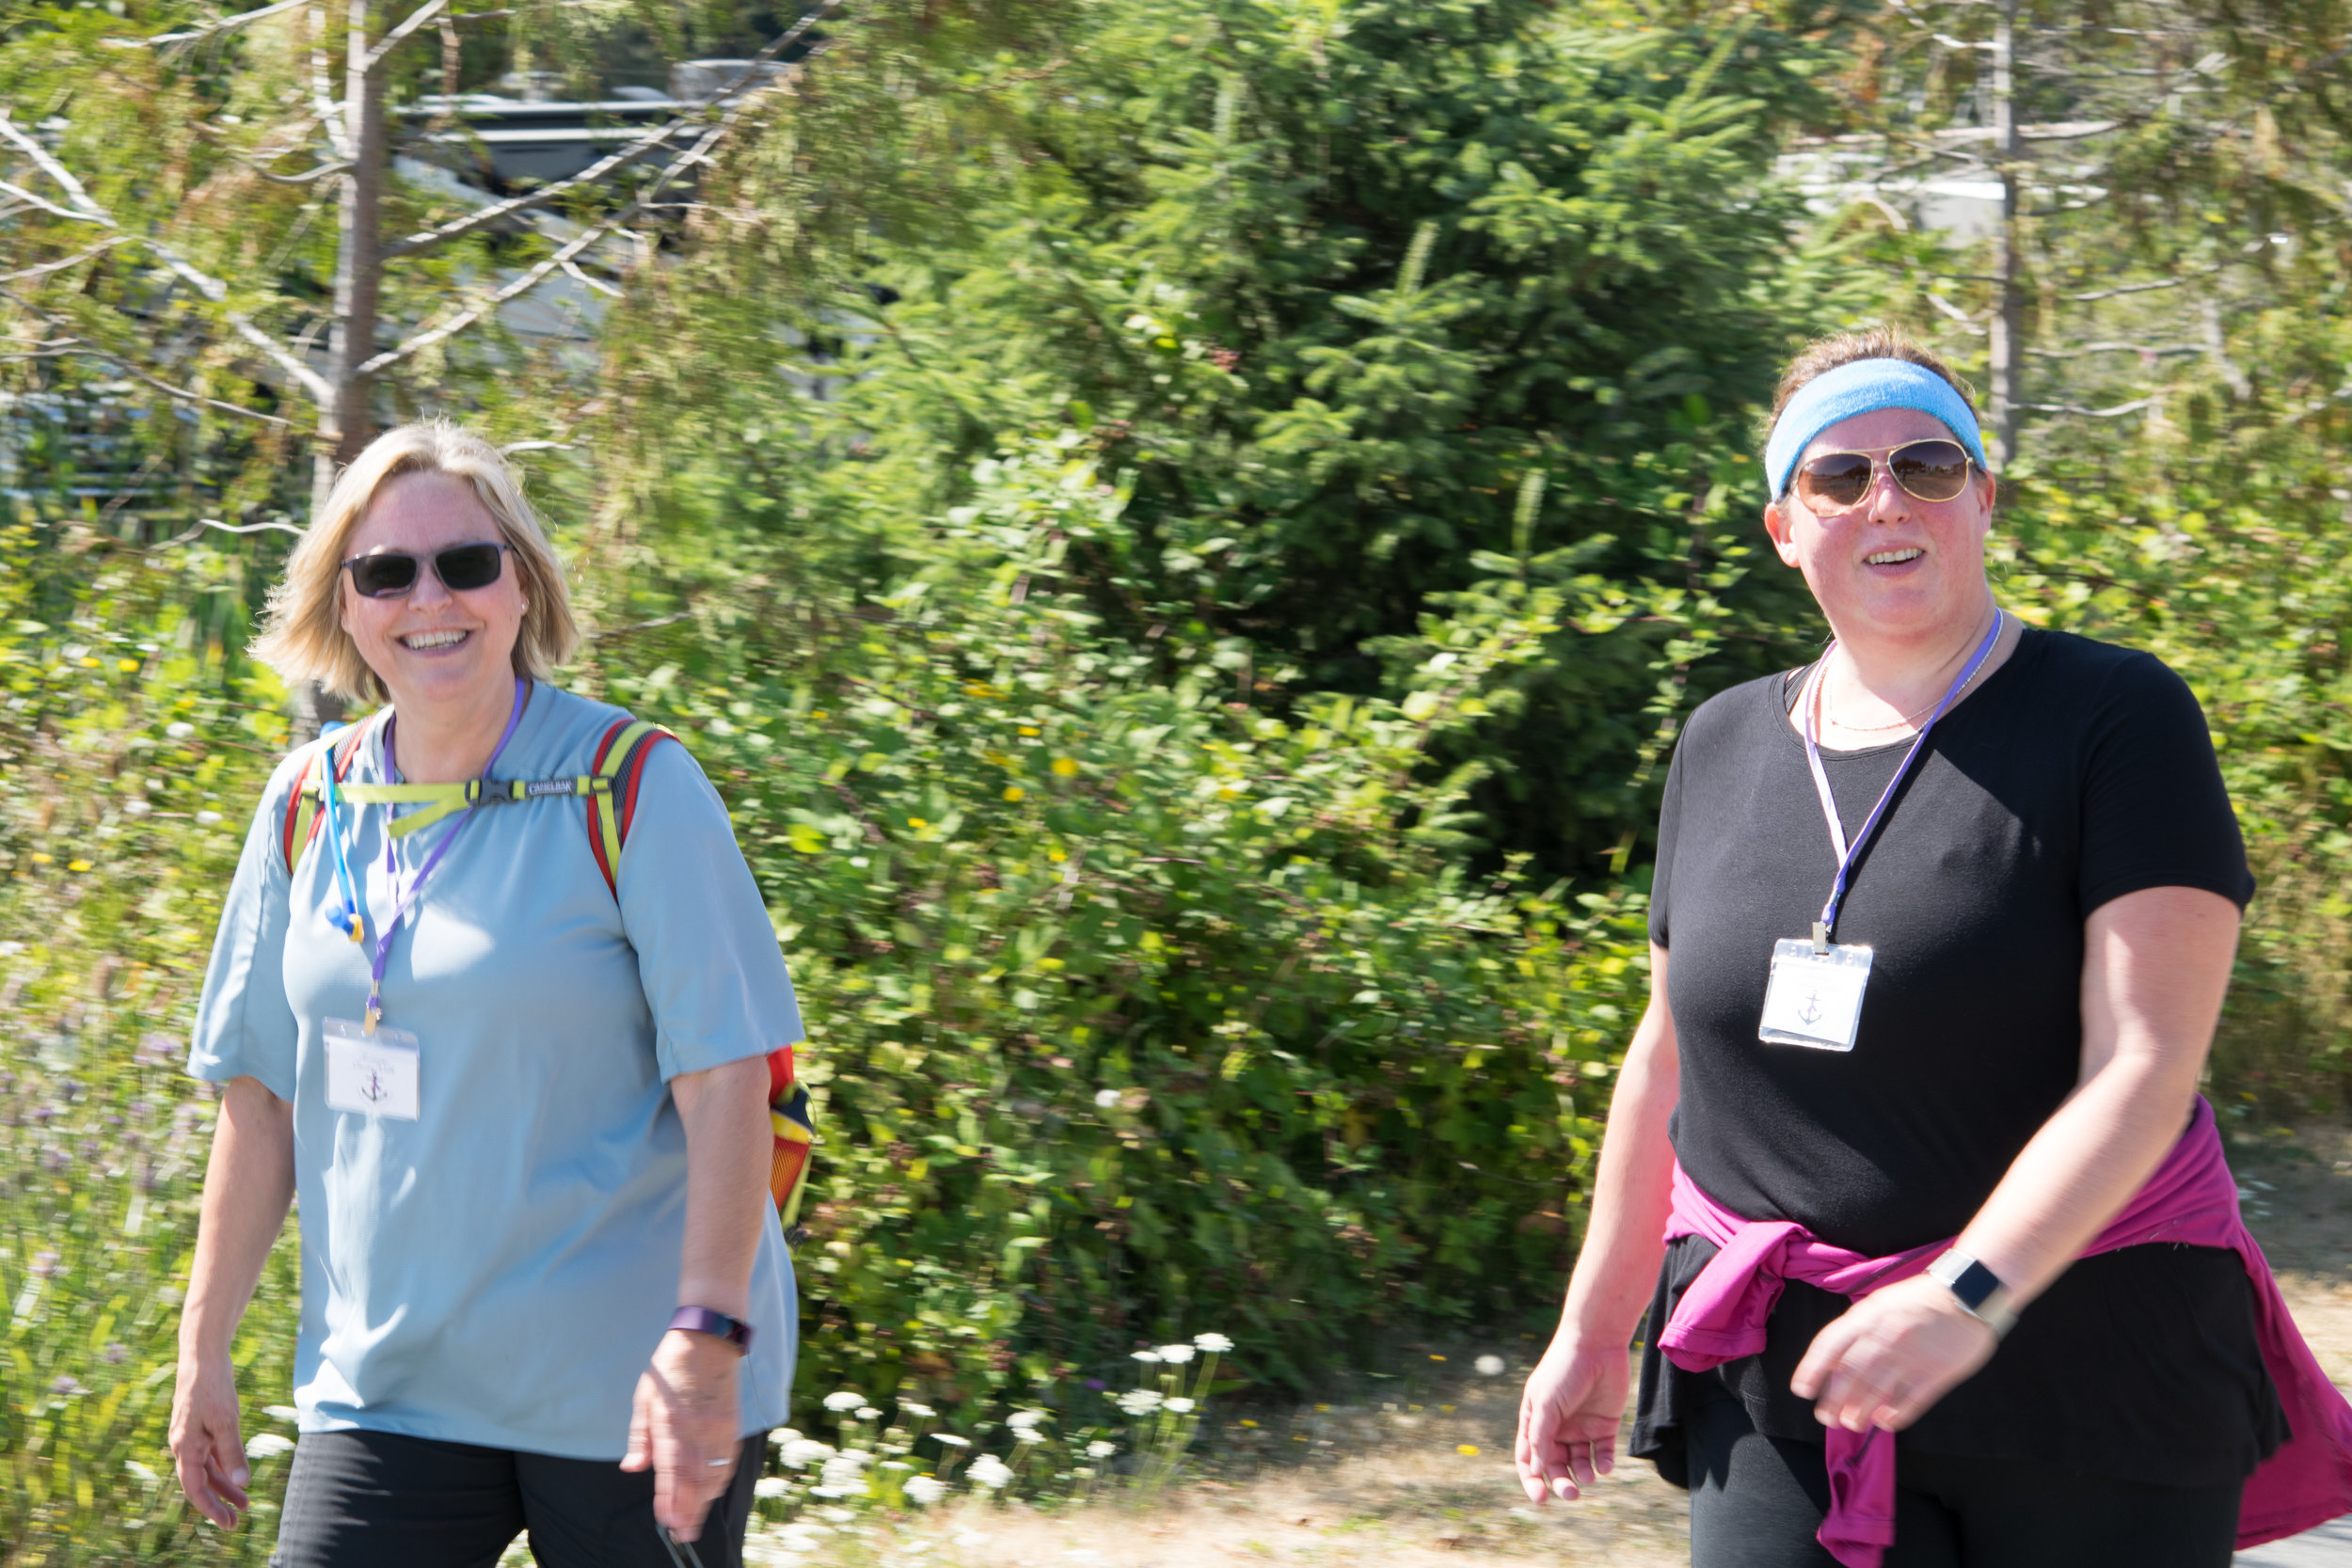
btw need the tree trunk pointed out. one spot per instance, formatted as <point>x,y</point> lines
<point>359,268</point>
<point>2007,346</point>
<point>344,423</point>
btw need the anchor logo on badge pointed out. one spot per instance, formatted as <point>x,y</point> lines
<point>375,1090</point>
<point>1811,1011</point>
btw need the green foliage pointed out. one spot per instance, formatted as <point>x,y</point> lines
<point>1132,1008</point>
<point>133,744</point>
<point>1363,306</point>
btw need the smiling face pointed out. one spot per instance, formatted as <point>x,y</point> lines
<point>1892,568</point>
<point>432,648</point>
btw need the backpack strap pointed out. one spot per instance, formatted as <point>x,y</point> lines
<point>301,824</point>
<point>618,769</point>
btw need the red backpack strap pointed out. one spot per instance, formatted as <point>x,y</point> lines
<point>618,769</point>
<point>300,828</point>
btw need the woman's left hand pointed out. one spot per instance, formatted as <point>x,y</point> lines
<point>684,1428</point>
<point>1891,1356</point>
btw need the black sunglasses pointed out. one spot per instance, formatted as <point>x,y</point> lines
<point>1927,470</point>
<point>393,572</point>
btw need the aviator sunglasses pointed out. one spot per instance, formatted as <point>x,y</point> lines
<point>1927,470</point>
<point>393,572</point>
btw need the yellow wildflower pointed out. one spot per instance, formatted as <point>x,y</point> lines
<point>1065,766</point>
<point>1014,792</point>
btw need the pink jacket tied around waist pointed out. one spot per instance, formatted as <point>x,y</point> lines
<point>2190,1200</point>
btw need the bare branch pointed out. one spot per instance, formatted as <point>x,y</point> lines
<point>521,283</point>
<point>513,446</point>
<point>651,141</point>
<point>306,177</point>
<point>2161,350</point>
<point>203,523</point>
<point>226,24</point>
<point>82,348</point>
<point>1967,321</point>
<point>32,149</point>
<point>482,217</point>
<point>2080,412</point>
<point>392,41</point>
<point>572,270</point>
<point>50,207</point>
<point>204,284</point>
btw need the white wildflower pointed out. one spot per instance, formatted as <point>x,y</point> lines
<point>1027,1435</point>
<point>179,729</point>
<point>286,1413</point>
<point>146,1474</point>
<point>913,1409</point>
<point>1139,1401</point>
<point>926,1490</point>
<point>1216,1344</point>
<point>1489,1366</point>
<point>802,1452</point>
<point>867,1413</point>
<point>770,1486</point>
<point>1105,1098</point>
<point>1021,1420</point>
<point>1180,1407</point>
<point>952,1440</point>
<point>1175,1355</point>
<point>267,1444</point>
<point>991,1471</point>
<point>1100,1449</point>
<point>783,1435</point>
<point>208,819</point>
<point>846,1398</point>
<point>1152,1357</point>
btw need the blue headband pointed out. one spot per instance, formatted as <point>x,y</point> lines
<point>1865,386</point>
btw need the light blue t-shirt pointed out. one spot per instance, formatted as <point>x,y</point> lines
<point>500,1270</point>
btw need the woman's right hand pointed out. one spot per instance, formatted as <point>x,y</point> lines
<point>205,1444</point>
<point>1568,1419</point>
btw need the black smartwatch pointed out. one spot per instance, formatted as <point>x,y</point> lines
<point>1980,1290</point>
<point>701,1319</point>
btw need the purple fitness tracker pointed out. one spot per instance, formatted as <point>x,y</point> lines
<point>701,1319</point>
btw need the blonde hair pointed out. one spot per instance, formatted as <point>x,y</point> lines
<point>302,629</point>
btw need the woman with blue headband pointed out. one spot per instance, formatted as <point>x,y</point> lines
<point>1906,1165</point>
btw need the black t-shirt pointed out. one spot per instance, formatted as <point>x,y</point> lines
<point>2077,772</point>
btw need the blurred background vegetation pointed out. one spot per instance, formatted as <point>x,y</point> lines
<point>1185,532</point>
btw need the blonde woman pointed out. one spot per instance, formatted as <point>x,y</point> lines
<point>520,1093</point>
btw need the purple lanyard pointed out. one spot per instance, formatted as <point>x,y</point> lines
<point>403,903</point>
<point>1848,854</point>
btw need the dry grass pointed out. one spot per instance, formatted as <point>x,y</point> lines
<point>1362,1484</point>
<point>1383,1480</point>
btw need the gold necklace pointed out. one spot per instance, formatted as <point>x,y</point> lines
<point>1912,718</point>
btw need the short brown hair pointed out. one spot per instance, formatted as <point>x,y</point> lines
<point>302,630</point>
<point>1824,355</point>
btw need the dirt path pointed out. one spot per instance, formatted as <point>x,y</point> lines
<point>1389,1479</point>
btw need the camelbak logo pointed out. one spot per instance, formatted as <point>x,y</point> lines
<point>550,786</point>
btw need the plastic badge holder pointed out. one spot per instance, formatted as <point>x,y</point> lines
<point>1815,998</point>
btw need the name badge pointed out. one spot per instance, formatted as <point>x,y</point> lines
<point>373,1074</point>
<point>1815,998</point>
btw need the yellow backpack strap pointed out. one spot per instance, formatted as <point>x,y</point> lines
<point>613,790</point>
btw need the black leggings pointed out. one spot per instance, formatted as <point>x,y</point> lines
<point>1756,1502</point>
<point>376,1499</point>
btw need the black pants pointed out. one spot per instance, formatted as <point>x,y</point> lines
<point>1757,1500</point>
<point>376,1499</point>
